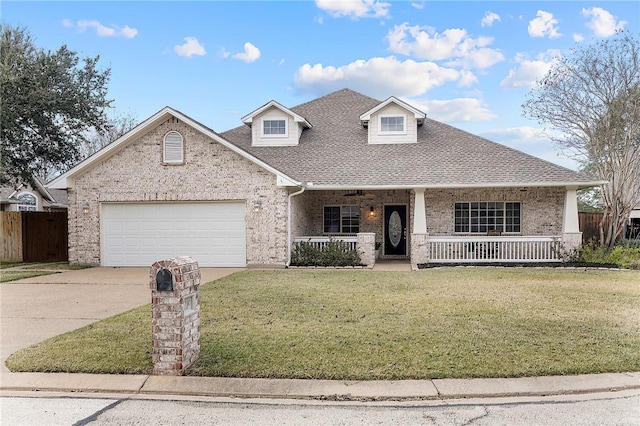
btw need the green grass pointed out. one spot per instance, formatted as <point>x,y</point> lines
<point>5,265</point>
<point>6,276</point>
<point>61,266</point>
<point>452,322</point>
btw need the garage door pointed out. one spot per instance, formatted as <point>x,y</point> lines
<point>141,234</point>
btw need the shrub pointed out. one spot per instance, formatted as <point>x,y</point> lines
<point>625,255</point>
<point>334,253</point>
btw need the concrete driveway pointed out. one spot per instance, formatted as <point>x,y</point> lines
<point>38,308</point>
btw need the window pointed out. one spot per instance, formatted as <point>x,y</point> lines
<point>341,219</point>
<point>392,124</point>
<point>28,202</point>
<point>476,217</point>
<point>173,148</point>
<point>274,127</point>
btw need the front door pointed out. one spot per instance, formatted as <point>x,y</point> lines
<point>395,230</point>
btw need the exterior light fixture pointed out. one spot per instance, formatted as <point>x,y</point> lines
<point>85,207</point>
<point>257,205</point>
<point>372,211</point>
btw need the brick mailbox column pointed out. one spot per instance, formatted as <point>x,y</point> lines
<point>175,307</point>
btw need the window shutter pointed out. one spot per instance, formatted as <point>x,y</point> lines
<point>173,148</point>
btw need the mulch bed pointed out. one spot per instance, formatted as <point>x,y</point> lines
<point>521,265</point>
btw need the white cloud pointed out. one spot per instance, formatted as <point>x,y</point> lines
<point>67,23</point>
<point>515,136</point>
<point>190,47</point>
<point>577,37</point>
<point>355,8</point>
<point>102,30</point>
<point>453,43</point>
<point>319,19</point>
<point>489,19</point>
<point>533,141</point>
<point>379,77</point>
<point>545,25</point>
<point>601,22</point>
<point>418,5</point>
<point>223,53</point>
<point>454,110</point>
<point>250,54</point>
<point>529,71</point>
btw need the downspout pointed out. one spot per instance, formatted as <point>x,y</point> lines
<point>289,225</point>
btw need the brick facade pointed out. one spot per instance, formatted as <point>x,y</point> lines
<point>211,172</point>
<point>175,324</point>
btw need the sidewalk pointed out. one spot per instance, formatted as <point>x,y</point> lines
<point>334,390</point>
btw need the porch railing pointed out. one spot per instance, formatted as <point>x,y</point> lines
<point>320,242</point>
<point>483,249</point>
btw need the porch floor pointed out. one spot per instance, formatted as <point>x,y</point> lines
<point>392,265</point>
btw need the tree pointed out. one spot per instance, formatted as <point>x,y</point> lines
<point>48,102</point>
<point>115,127</point>
<point>591,98</point>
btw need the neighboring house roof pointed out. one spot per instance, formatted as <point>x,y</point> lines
<point>335,154</point>
<point>51,198</point>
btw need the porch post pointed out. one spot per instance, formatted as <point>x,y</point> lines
<point>571,235</point>
<point>419,213</point>
<point>419,236</point>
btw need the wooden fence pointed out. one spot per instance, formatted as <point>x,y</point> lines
<point>11,237</point>
<point>34,237</point>
<point>589,223</point>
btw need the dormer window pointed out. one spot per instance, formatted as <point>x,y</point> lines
<point>274,125</point>
<point>392,125</point>
<point>173,148</point>
<point>274,128</point>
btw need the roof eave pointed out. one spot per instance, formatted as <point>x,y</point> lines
<point>568,184</point>
<point>62,181</point>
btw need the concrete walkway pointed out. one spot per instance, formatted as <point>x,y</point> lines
<point>38,308</point>
<point>334,390</point>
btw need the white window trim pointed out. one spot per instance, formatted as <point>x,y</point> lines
<point>482,233</point>
<point>29,207</point>
<point>383,133</point>
<point>164,149</point>
<point>286,127</point>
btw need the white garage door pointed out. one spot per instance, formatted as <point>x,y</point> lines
<point>141,234</point>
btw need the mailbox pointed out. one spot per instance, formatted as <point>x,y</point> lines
<point>164,280</point>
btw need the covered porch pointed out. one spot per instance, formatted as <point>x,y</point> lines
<point>441,225</point>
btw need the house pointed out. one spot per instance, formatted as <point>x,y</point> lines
<point>36,199</point>
<point>342,166</point>
<point>632,226</point>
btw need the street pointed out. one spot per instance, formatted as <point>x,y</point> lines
<point>613,408</point>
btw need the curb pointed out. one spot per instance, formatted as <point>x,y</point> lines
<point>332,390</point>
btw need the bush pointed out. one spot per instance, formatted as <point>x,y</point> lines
<point>625,255</point>
<point>334,253</point>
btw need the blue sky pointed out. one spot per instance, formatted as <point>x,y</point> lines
<point>466,63</point>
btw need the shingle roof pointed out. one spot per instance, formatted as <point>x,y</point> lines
<point>335,152</point>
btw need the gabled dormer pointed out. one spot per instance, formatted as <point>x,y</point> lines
<point>393,121</point>
<point>275,125</point>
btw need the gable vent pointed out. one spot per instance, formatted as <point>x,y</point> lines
<point>173,151</point>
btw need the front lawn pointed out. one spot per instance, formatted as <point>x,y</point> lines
<point>6,276</point>
<point>450,322</point>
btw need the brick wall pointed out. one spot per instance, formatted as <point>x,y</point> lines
<point>211,172</point>
<point>542,208</point>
